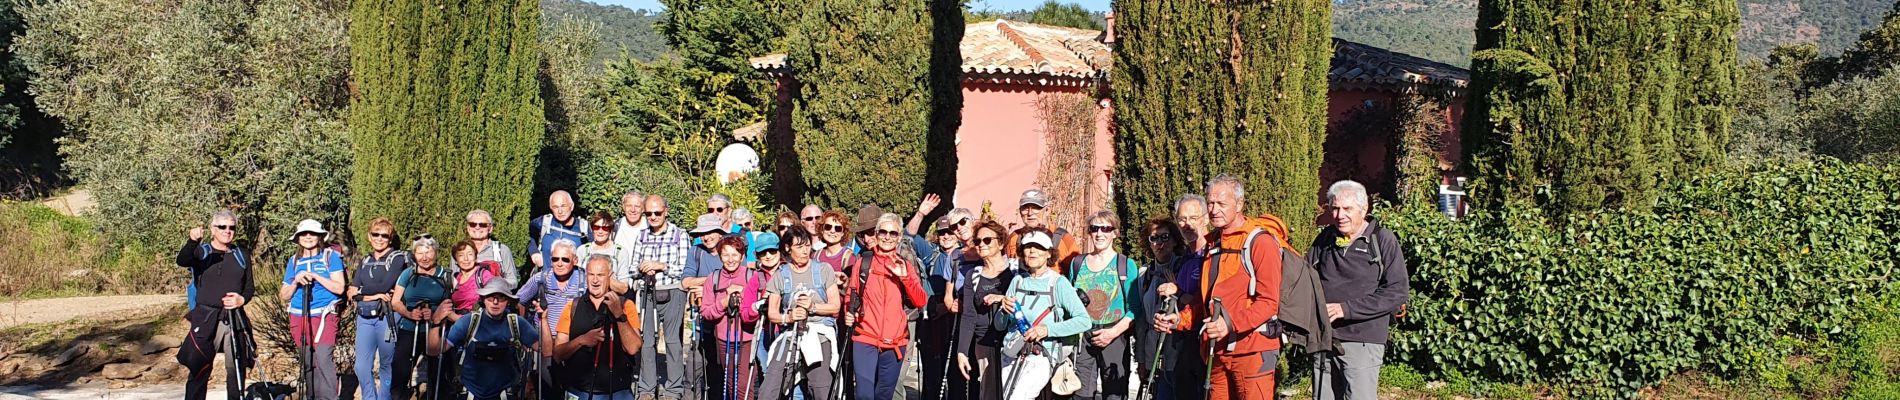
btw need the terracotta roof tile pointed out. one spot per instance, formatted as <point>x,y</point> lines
<point>1004,47</point>
<point>1360,64</point>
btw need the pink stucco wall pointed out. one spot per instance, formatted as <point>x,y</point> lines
<point>1000,144</point>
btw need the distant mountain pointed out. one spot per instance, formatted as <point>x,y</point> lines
<point>620,28</point>
<point>1442,29</point>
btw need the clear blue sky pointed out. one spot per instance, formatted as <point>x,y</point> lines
<point>998,5</point>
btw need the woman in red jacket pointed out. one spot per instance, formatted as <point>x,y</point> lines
<point>881,326</point>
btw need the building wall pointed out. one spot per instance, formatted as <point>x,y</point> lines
<point>1001,142</point>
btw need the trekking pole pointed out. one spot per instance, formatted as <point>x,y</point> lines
<point>1219,312</point>
<point>1169,305</point>
<point>231,364</point>
<point>309,342</point>
<point>949,359</point>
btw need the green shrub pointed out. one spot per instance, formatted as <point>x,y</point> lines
<point>34,237</point>
<point>602,179</point>
<point>1603,303</point>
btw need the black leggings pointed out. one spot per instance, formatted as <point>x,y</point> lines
<point>198,351</point>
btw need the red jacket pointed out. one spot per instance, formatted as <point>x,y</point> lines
<point>882,322</point>
<point>1245,313</point>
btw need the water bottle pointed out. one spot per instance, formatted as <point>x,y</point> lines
<point>1022,321</point>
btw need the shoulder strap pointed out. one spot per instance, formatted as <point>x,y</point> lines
<point>514,329</point>
<point>1378,256</point>
<point>1246,260</point>
<point>472,327</point>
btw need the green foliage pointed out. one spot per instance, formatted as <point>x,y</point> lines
<point>33,236</point>
<point>602,180</point>
<point>876,110</point>
<point>1856,120</point>
<point>623,33</point>
<point>1603,303</point>
<point>1439,30</point>
<point>1070,15</point>
<point>447,115</point>
<point>177,108</point>
<point>1576,106</point>
<point>1877,50</point>
<point>1189,107</point>
<point>670,113</point>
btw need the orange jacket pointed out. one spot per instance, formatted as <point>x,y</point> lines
<point>1224,277</point>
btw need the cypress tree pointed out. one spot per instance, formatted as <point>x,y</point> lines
<point>876,109</point>
<point>446,113</point>
<point>1203,88</point>
<point>1580,105</point>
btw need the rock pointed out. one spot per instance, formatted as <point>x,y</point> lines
<point>123,370</point>
<point>67,357</point>
<point>8,367</point>
<point>160,343</point>
<point>1434,385</point>
<point>163,372</point>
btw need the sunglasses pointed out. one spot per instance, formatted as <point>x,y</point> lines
<point>834,228</point>
<point>563,259</point>
<point>655,213</point>
<point>1162,238</point>
<point>302,234</point>
<point>480,225</point>
<point>784,227</point>
<point>813,218</point>
<point>1101,229</point>
<point>946,231</point>
<point>603,227</point>
<point>224,227</point>
<point>886,232</point>
<point>380,235</point>
<point>985,241</point>
<point>961,222</point>
<point>770,252</point>
<point>715,210</point>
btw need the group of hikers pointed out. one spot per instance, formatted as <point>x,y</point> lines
<point>821,305</point>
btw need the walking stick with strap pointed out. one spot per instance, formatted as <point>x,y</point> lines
<point>1169,305</point>
<point>309,372</point>
<point>1219,312</point>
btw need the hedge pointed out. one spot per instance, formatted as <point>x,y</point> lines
<point>1601,304</point>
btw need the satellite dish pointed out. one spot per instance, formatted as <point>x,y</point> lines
<point>735,161</point>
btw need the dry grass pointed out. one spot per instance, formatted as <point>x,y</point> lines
<point>46,254</point>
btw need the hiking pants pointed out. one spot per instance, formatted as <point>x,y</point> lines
<point>1244,376</point>
<point>876,372</point>
<point>322,368</point>
<point>201,346</point>
<point>664,330</point>
<point>1351,374</point>
<point>1103,370</point>
<point>375,358</point>
<point>818,382</point>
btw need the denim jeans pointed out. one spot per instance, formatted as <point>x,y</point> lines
<point>374,354</point>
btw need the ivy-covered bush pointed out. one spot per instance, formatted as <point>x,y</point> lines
<point>1600,304</point>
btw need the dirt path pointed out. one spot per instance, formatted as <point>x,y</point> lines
<point>16,313</point>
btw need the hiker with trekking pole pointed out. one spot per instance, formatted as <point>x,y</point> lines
<point>1242,286</point>
<point>1105,280</point>
<point>727,306</point>
<point>1045,323</point>
<point>313,280</point>
<point>597,336</point>
<point>545,297</point>
<point>660,252</point>
<point>1166,287</point>
<point>372,287</point>
<point>978,298</point>
<point>806,295</point>
<point>887,284</point>
<point>939,257</point>
<point>1366,282</point>
<point>702,261</point>
<point>221,284</point>
<point>487,344</point>
<point>421,292</point>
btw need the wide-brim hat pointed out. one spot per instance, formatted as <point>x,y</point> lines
<point>708,223</point>
<point>867,218</point>
<point>309,225</point>
<point>498,287</point>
